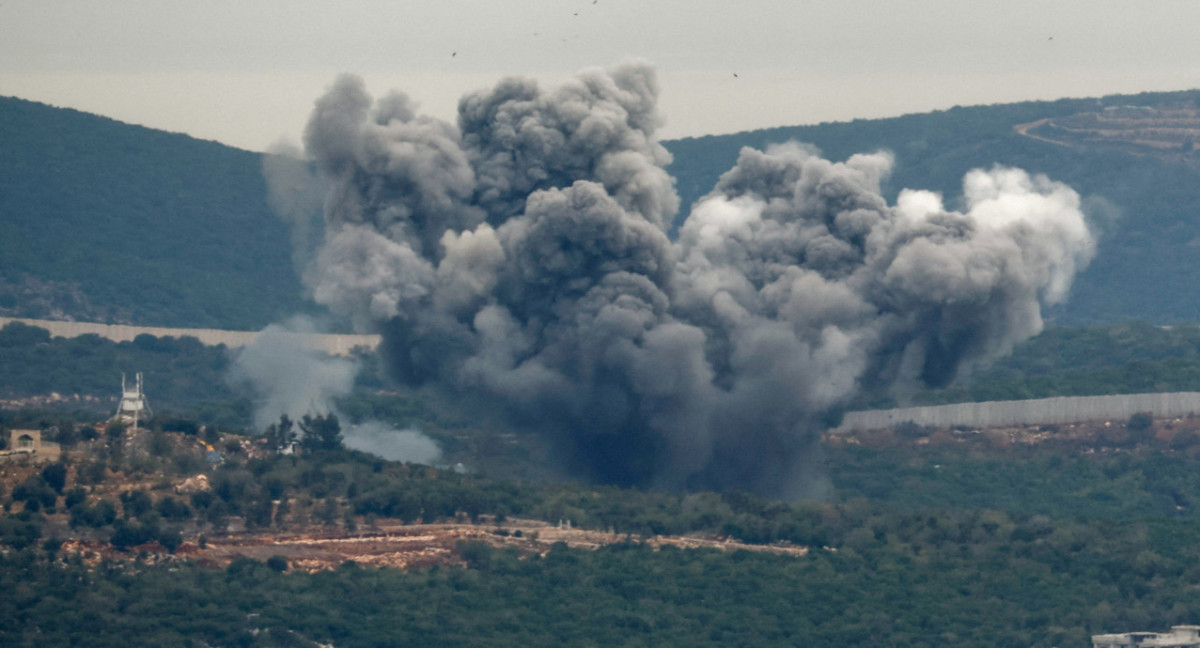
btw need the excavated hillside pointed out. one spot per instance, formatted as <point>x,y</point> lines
<point>1168,132</point>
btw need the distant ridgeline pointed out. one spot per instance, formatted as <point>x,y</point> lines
<point>107,222</point>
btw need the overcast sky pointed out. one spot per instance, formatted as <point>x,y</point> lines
<point>246,72</point>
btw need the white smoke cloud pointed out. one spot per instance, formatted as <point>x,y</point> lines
<point>382,440</point>
<point>286,376</point>
<point>519,258</point>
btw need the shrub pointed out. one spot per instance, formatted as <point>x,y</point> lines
<point>102,514</point>
<point>36,493</point>
<point>277,563</point>
<point>1139,422</point>
<point>55,475</point>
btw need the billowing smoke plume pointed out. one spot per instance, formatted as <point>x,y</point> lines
<point>519,260</point>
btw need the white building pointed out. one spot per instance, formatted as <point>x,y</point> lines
<point>27,445</point>
<point>1181,636</point>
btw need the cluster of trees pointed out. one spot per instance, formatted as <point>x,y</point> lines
<point>142,521</point>
<point>317,433</point>
<point>970,578</point>
<point>41,491</point>
<point>924,546</point>
<point>185,375</point>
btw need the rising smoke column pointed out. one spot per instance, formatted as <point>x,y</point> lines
<point>545,294</point>
<point>519,259</point>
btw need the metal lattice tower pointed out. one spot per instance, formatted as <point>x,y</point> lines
<point>133,403</point>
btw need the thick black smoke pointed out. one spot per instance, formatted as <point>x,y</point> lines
<point>519,259</point>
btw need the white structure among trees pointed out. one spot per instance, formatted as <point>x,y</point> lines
<point>133,404</point>
<point>1180,636</point>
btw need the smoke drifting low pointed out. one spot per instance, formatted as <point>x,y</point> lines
<point>286,377</point>
<point>394,445</point>
<point>519,259</point>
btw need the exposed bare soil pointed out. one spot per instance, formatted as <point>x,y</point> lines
<point>395,545</point>
<point>1168,132</point>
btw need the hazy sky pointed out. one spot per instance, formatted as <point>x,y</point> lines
<point>246,72</point>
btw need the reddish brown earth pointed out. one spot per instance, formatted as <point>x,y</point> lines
<point>396,545</point>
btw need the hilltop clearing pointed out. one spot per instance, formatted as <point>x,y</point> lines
<point>1167,132</point>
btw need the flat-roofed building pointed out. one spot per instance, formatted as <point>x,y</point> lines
<point>27,445</point>
<point>1180,636</point>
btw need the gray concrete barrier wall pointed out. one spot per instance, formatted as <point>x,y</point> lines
<point>331,343</point>
<point>1042,411</point>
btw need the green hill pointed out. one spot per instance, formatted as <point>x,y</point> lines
<point>110,222</point>
<point>105,221</point>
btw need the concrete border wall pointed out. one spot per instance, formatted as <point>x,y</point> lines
<point>331,343</point>
<point>1042,411</point>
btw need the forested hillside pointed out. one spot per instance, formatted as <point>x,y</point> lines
<point>104,221</point>
<point>921,537</point>
<point>921,544</point>
<point>109,222</point>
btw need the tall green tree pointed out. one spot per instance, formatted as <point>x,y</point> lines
<point>321,432</point>
<point>280,435</point>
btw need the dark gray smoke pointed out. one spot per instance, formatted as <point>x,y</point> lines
<point>519,260</point>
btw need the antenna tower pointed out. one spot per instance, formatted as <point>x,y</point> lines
<point>133,403</point>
